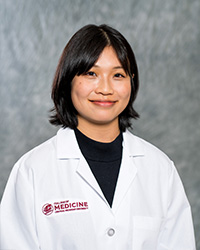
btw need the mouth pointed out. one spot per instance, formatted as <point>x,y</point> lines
<point>103,103</point>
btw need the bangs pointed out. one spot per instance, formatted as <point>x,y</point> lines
<point>89,58</point>
<point>123,56</point>
<point>85,51</point>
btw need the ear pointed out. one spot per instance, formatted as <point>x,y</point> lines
<point>133,75</point>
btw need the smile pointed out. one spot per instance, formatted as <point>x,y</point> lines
<point>103,103</point>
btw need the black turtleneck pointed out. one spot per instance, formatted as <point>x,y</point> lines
<point>104,160</point>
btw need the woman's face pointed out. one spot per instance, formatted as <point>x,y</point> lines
<point>101,94</point>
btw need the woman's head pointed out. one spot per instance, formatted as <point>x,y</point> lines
<point>79,55</point>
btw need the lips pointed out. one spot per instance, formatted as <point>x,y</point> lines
<point>103,103</point>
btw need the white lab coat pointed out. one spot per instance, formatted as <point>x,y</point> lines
<point>53,202</point>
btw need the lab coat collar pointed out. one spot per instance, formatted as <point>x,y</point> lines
<point>133,144</point>
<point>67,146</point>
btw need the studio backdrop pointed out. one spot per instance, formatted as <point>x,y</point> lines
<point>165,36</point>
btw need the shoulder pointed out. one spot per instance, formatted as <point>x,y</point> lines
<point>38,155</point>
<point>150,153</point>
<point>138,145</point>
<point>62,145</point>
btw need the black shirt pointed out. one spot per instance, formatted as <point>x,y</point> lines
<point>104,160</point>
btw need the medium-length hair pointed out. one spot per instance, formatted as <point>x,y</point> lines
<point>78,56</point>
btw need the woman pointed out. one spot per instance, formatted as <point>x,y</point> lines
<point>95,185</point>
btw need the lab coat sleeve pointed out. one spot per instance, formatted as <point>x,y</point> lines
<point>17,217</point>
<point>177,230</point>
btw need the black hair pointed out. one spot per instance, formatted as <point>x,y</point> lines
<point>78,56</point>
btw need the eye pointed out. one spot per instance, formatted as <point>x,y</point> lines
<point>90,73</point>
<point>119,75</point>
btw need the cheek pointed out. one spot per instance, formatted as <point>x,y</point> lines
<point>79,93</point>
<point>77,90</point>
<point>75,93</point>
<point>125,92</point>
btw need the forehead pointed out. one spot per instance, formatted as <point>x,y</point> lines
<point>108,57</point>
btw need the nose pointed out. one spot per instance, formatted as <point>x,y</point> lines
<point>104,87</point>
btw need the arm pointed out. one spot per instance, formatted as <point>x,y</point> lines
<point>177,230</point>
<point>17,217</point>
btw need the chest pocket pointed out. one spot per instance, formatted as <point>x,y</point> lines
<point>145,232</point>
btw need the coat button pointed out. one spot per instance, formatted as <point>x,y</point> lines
<point>111,232</point>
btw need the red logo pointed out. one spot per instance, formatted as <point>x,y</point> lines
<point>64,206</point>
<point>47,209</point>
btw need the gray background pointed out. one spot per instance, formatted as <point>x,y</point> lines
<point>165,36</point>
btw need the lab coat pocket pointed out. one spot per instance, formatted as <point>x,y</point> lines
<point>145,232</point>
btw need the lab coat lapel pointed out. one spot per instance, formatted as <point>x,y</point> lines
<point>86,174</point>
<point>127,174</point>
<point>132,150</point>
<point>67,148</point>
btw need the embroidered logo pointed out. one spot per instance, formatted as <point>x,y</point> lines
<point>64,206</point>
<point>47,209</point>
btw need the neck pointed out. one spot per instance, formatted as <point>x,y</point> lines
<point>99,132</point>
